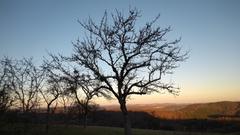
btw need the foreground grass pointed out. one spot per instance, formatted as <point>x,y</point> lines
<point>91,130</point>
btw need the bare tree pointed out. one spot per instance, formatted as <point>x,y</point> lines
<point>127,60</point>
<point>65,100</point>
<point>77,85</point>
<point>83,90</point>
<point>6,89</point>
<point>51,91</point>
<point>27,81</point>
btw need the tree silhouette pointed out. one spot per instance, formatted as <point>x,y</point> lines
<point>127,60</point>
<point>28,80</point>
<point>6,87</point>
<point>76,84</point>
<point>51,91</point>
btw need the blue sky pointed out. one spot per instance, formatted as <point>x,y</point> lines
<point>208,28</point>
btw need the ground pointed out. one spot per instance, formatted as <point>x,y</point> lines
<point>91,130</point>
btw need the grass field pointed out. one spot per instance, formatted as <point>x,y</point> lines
<point>92,130</point>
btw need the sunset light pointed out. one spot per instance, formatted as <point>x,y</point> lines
<point>78,62</point>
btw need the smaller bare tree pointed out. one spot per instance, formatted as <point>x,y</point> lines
<point>26,82</point>
<point>78,85</point>
<point>28,79</point>
<point>6,89</point>
<point>50,92</point>
<point>82,88</point>
<point>65,101</point>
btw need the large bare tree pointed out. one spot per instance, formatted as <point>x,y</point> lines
<point>127,59</point>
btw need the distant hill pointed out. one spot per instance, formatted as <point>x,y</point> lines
<point>216,110</point>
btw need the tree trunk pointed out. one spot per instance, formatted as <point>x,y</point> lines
<point>26,121</point>
<point>127,122</point>
<point>79,115</point>
<point>85,115</point>
<point>47,118</point>
<point>85,120</point>
<point>65,114</point>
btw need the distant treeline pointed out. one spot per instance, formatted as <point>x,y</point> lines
<point>113,118</point>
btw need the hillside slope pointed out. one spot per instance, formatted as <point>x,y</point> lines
<point>187,111</point>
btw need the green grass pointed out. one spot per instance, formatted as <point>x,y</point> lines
<point>91,130</point>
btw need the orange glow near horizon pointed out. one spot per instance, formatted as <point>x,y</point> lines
<point>209,94</point>
<point>209,30</point>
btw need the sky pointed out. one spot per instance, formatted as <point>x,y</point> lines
<point>209,29</point>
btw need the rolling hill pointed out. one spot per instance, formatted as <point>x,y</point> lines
<point>220,110</point>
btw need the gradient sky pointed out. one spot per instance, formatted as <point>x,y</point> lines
<point>210,29</point>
